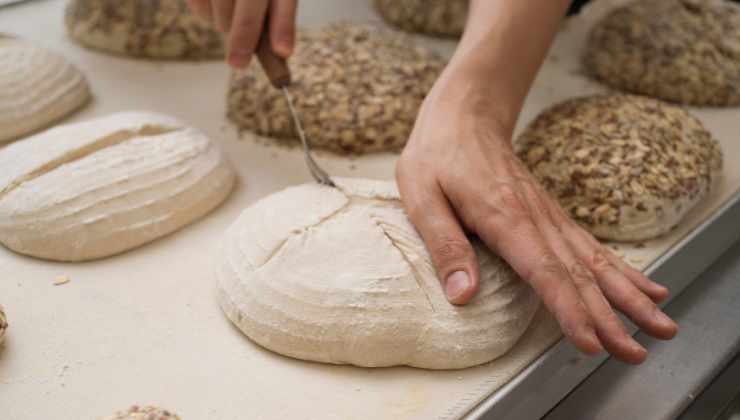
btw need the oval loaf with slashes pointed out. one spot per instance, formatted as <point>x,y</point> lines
<point>97,188</point>
<point>348,280</point>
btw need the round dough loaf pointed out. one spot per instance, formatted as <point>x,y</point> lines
<point>434,17</point>
<point>685,51</point>
<point>144,413</point>
<point>161,29</point>
<point>3,323</point>
<point>37,88</point>
<point>347,280</point>
<point>357,89</point>
<point>627,168</point>
<point>94,189</point>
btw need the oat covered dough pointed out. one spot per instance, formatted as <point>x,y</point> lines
<point>433,17</point>
<point>628,168</point>
<point>684,51</point>
<point>159,29</point>
<point>357,89</point>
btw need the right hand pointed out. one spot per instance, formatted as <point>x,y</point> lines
<point>242,20</point>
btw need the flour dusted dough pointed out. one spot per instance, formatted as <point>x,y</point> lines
<point>148,28</point>
<point>144,413</point>
<point>628,168</point>
<point>357,89</point>
<point>37,88</point>
<point>434,17</point>
<point>341,276</point>
<point>93,189</point>
<point>685,51</point>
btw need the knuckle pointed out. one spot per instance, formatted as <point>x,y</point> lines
<point>582,276</point>
<point>450,250</point>
<point>505,198</point>
<point>548,268</point>
<point>600,261</point>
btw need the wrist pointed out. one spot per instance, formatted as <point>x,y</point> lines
<point>474,96</point>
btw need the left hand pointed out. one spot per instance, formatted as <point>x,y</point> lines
<point>243,20</point>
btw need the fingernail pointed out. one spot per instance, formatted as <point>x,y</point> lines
<point>661,317</point>
<point>457,284</point>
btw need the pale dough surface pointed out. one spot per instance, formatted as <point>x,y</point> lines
<point>138,311</point>
<point>94,189</point>
<point>347,280</point>
<point>37,87</point>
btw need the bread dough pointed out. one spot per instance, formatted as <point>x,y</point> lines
<point>357,89</point>
<point>163,29</point>
<point>341,276</point>
<point>37,88</point>
<point>93,189</point>
<point>685,51</point>
<point>628,168</point>
<point>3,323</point>
<point>144,413</point>
<point>434,17</point>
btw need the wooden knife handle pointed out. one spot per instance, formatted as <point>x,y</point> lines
<point>275,67</point>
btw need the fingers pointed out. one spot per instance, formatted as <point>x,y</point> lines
<point>201,8</point>
<point>655,291</point>
<point>609,328</point>
<point>621,285</point>
<point>509,230</point>
<point>452,254</point>
<point>246,27</point>
<point>222,12</point>
<point>282,26</point>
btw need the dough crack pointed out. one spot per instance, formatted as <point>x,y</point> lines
<point>303,230</point>
<point>414,271</point>
<point>113,139</point>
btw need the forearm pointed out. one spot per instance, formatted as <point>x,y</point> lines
<point>500,54</point>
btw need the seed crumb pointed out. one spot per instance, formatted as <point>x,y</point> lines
<point>60,280</point>
<point>636,260</point>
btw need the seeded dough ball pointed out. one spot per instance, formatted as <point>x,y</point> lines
<point>684,51</point>
<point>357,89</point>
<point>627,168</point>
<point>3,323</point>
<point>434,17</point>
<point>162,29</point>
<point>143,413</point>
<point>37,88</point>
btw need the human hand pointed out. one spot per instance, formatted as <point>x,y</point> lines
<point>242,21</point>
<point>459,172</point>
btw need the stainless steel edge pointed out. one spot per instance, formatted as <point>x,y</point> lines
<point>677,371</point>
<point>559,370</point>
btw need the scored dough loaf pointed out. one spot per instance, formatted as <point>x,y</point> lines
<point>684,51</point>
<point>628,168</point>
<point>348,280</point>
<point>160,29</point>
<point>434,17</point>
<point>97,188</point>
<point>37,88</point>
<point>144,413</point>
<point>357,89</point>
<point>3,323</point>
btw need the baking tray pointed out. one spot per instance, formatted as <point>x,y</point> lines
<point>144,327</point>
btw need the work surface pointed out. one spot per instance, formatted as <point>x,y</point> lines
<point>144,327</point>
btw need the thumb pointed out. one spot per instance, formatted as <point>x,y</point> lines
<point>451,251</point>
